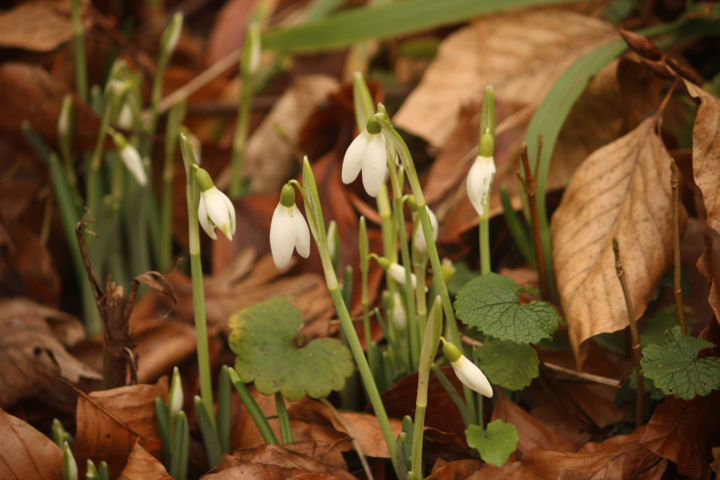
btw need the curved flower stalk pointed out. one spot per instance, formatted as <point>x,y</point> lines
<point>215,210</point>
<point>466,371</point>
<point>367,153</point>
<point>288,229</point>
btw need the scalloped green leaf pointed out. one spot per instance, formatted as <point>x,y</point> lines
<point>490,303</point>
<point>508,364</point>
<point>495,443</point>
<point>265,339</point>
<point>674,368</point>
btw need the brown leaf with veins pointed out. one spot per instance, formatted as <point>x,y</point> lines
<point>521,53</point>
<point>109,422</point>
<point>621,191</point>
<point>684,432</point>
<point>37,26</point>
<point>26,453</point>
<point>142,465</point>
<point>33,358</point>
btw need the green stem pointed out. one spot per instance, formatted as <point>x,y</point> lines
<point>223,409</point>
<point>484,245</point>
<point>284,418</point>
<point>241,134</point>
<point>465,413</point>
<point>199,296</point>
<point>81,83</point>
<point>253,409</point>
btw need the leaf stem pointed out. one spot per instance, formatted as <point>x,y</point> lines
<point>677,284</point>
<point>640,393</point>
<point>253,409</point>
<point>284,418</point>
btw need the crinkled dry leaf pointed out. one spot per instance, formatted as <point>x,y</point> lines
<point>621,191</point>
<point>228,32</point>
<point>30,258</point>
<point>141,465</point>
<point>109,423</point>
<point>36,26</point>
<point>274,462</point>
<point>31,356</point>
<point>26,453</point>
<point>684,432</point>
<point>521,53</point>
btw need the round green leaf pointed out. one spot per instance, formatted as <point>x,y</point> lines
<point>674,367</point>
<point>269,352</point>
<point>495,443</point>
<point>490,303</point>
<point>510,365</point>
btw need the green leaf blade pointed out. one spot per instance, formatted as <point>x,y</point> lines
<point>510,365</point>
<point>674,368</point>
<point>495,443</point>
<point>264,338</point>
<point>490,303</point>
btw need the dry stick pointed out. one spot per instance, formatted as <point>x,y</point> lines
<point>528,183</point>
<point>640,391</point>
<point>677,290</point>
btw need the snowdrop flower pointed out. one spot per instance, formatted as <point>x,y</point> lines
<point>367,153</point>
<point>478,184</point>
<point>466,371</point>
<point>130,157</point>
<point>215,208</point>
<point>399,317</point>
<point>288,229</point>
<point>171,35</point>
<point>419,238</point>
<point>176,397</point>
<point>396,271</point>
<point>253,51</point>
<point>70,468</point>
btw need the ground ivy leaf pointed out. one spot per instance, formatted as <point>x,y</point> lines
<point>490,303</point>
<point>674,368</point>
<point>508,364</point>
<point>264,338</point>
<point>495,443</point>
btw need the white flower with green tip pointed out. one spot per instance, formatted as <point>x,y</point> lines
<point>130,158</point>
<point>478,183</point>
<point>419,237</point>
<point>288,229</point>
<point>466,371</point>
<point>215,209</point>
<point>367,154</point>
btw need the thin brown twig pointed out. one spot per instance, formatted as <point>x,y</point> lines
<point>677,284</point>
<point>530,187</point>
<point>640,390</point>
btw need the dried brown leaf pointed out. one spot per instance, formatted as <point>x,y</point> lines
<point>684,432</point>
<point>109,422</point>
<point>31,356</point>
<point>141,465</point>
<point>521,53</point>
<point>36,26</point>
<point>30,258</point>
<point>27,453</point>
<point>621,191</point>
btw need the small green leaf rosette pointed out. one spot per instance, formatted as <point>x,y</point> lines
<point>495,443</point>
<point>271,354</point>
<point>490,303</point>
<point>674,368</point>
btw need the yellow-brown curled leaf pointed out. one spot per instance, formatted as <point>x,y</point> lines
<point>621,191</point>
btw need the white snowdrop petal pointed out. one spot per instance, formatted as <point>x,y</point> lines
<point>419,237</point>
<point>352,161</point>
<point>216,206</point>
<point>478,182</point>
<point>281,236</point>
<point>132,161</point>
<point>231,213</point>
<point>302,234</point>
<point>204,223</point>
<point>472,376</point>
<point>397,272</point>
<point>374,165</point>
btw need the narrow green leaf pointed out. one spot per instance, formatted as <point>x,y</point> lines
<point>508,364</point>
<point>495,443</point>
<point>270,353</point>
<point>207,429</point>
<point>162,417</point>
<point>385,20</point>
<point>675,369</point>
<point>490,303</point>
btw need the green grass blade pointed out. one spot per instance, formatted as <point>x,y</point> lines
<point>385,21</point>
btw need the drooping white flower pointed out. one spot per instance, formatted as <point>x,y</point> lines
<point>466,371</point>
<point>70,468</point>
<point>367,154</point>
<point>215,208</point>
<point>478,183</point>
<point>396,271</point>
<point>130,158</point>
<point>288,229</point>
<point>419,237</point>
